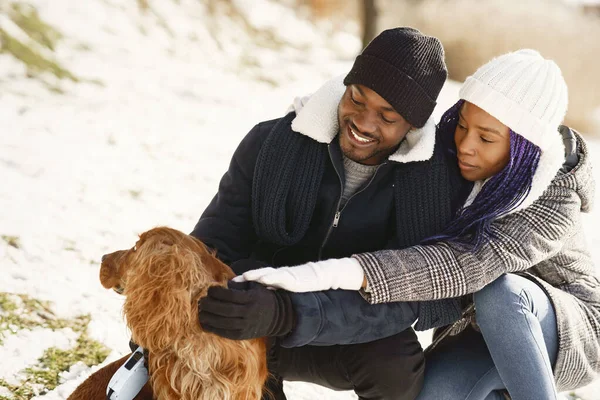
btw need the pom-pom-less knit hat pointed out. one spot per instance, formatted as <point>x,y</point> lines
<point>527,93</point>
<point>404,67</point>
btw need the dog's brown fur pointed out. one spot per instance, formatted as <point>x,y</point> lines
<point>162,277</point>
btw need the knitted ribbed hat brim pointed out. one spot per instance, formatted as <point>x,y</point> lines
<point>511,114</point>
<point>395,86</point>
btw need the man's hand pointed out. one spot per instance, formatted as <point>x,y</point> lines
<point>343,273</point>
<point>246,310</point>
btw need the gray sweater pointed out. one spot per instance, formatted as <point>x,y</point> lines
<point>356,176</point>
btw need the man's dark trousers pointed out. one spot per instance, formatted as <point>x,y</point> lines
<point>386,369</point>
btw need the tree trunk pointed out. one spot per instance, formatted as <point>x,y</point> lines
<point>369,21</point>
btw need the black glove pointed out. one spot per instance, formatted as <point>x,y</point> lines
<point>246,310</point>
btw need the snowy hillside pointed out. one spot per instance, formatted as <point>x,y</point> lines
<point>139,136</point>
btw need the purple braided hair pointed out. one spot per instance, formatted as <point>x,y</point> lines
<point>502,192</point>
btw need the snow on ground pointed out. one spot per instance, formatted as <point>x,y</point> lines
<point>142,142</point>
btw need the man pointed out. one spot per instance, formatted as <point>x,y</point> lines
<point>355,171</point>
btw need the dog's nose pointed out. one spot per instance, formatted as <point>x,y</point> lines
<point>104,257</point>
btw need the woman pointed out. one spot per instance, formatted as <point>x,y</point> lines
<point>517,245</point>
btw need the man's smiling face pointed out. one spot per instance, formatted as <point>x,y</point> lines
<point>370,128</point>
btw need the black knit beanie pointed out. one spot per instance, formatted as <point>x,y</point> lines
<point>404,67</point>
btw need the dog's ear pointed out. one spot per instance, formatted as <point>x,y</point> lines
<point>159,305</point>
<point>159,236</point>
<point>218,270</point>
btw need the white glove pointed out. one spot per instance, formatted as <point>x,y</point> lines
<point>342,273</point>
<point>299,103</point>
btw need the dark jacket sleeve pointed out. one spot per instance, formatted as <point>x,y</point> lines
<point>226,224</point>
<point>343,317</point>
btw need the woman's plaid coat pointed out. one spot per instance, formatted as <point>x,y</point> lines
<point>544,241</point>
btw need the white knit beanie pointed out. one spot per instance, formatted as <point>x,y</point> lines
<point>527,93</point>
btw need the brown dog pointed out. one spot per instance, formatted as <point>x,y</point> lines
<point>162,277</point>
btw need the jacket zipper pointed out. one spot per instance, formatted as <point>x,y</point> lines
<point>336,218</point>
<point>338,213</point>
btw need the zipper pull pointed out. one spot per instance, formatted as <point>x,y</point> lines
<point>336,219</point>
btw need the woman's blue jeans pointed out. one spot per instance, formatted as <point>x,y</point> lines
<point>515,350</point>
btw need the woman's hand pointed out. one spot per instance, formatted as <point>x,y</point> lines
<point>343,273</point>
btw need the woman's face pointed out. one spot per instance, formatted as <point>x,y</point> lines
<point>482,143</point>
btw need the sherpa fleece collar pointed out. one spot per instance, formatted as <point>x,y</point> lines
<point>318,119</point>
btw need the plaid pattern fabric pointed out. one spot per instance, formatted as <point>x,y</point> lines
<point>545,241</point>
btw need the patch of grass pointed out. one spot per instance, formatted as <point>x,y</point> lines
<point>145,8</point>
<point>12,241</point>
<point>96,82</point>
<point>27,18</point>
<point>6,304</point>
<point>135,194</point>
<point>55,89</point>
<point>8,386</point>
<point>19,312</point>
<point>83,47</point>
<point>35,62</point>
<point>19,392</point>
<point>54,361</point>
<point>262,37</point>
<point>45,376</point>
<point>69,245</point>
